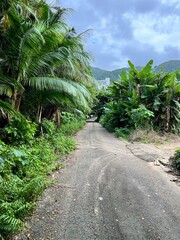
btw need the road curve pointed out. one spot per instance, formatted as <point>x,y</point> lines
<point>107,193</point>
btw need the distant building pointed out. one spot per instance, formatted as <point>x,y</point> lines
<point>104,83</point>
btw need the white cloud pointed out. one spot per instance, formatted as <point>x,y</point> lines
<point>174,3</point>
<point>128,29</point>
<point>156,30</point>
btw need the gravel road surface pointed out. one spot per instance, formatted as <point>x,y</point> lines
<point>106,192</point>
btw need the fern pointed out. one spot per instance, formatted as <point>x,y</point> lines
<point>10,186</point>
<point>22,173</point>
<point>33,189</point>
<point>10,223</point>
<point>22,209</point>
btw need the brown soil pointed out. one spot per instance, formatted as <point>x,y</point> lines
<point>166,142</point>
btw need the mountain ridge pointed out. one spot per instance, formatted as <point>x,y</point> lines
<point>168,66</point>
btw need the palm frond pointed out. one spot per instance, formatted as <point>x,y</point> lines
<point>6,90</point>
<point>62,99</point>
<point>7,108</point>
<point>81,88</point>
<point>73,89</point>
<point>51,83</point>
<point>10,82</point>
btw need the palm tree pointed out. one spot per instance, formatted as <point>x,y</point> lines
<point>36,49</point>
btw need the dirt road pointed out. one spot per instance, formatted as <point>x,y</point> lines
<point>107,193</point>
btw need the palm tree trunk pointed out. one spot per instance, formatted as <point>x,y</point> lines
<point>39,114</point>
<point>14,98</point>
<point>58,114</point>
<point>16,101</point>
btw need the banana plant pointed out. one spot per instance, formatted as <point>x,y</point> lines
<point>157,92</point>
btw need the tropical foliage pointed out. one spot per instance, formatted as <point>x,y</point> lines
<point>144,99</point>
<point>43,64</point>
<point>24,167</point>
<point>46,89</point>
<point>177,159</point>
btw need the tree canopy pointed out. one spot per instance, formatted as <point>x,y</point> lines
<point>41,56</point>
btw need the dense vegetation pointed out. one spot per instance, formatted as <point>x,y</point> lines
<point>170,66</point>
<point>141,99</point>
<point>144,98</point>
<point>46,89</point>
<point>43,64</point>
<point>25,164</point>
<point>177,159</point>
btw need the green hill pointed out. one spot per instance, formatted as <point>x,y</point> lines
<point>170,66</point>
<point>101,74</point>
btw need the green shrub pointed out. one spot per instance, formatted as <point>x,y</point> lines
<point>22,178</point>
<point>73,127</point>
<point>24,168</point>
<point>14,205</point>
<point>177,159</point>
<point>141,117</point>
<point>20,131</point>
<point>67,117</point>
<point>48,127</point>
<point>123,132</point>
<point>62,144</point>
<point>107,121</point>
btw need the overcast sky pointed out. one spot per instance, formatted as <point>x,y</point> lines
<point>122,30</point>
